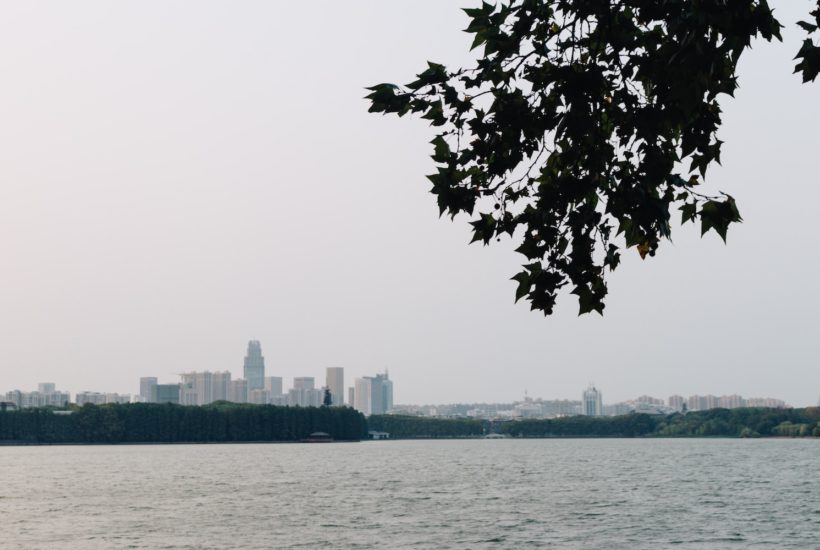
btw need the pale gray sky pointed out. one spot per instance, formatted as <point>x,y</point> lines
<point>177,178</point>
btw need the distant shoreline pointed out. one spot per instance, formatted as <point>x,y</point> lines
<point>471,438</point>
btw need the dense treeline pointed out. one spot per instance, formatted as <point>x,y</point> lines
<point>227,422</point>
<point>751,422</point>
<point>409,427</point>
<point>167,423</point>
<point>631,425</point>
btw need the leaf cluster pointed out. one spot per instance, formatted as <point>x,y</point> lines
<point>583,126</point>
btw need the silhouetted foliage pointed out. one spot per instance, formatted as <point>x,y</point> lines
<point>585,120</point>
<point>167,423</point>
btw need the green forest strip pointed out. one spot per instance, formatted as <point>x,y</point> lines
<point>751,422</point>
<point>231,422</point>
<point>167,423</point>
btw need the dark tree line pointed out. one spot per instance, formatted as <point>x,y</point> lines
<point>167,423</point>
<point>410,427</point>
<point>230,422</point>
<point>631,425</point>
<point>746,422</point>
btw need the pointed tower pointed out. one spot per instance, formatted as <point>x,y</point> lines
<point>255,366</point>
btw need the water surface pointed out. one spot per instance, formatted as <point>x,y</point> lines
<point>568,493</point>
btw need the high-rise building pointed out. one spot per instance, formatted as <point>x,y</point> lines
<point>46,387</point>
<point>165,393</point>
<point>373,394</point>
<point>676,402</point>
<point>362,394</point>
<point>220,385</point>
<point>592,402</point>
<point>197,388</point>
<point>147,384</point>
<point>335,382</point>
<point>238,392</point>
<point>351,395</point>
<point>384,386</point>
<point>254,369</point>
<point>273,385</point>
<point>304,383</point>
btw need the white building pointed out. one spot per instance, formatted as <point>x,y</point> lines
<point>592,402</point>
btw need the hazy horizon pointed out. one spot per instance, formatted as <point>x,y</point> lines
<point>176,182</point>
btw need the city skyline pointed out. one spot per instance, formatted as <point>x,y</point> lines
<point>299,379</point>
<point>372,395</point>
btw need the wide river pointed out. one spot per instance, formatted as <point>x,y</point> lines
<point>569,493</point>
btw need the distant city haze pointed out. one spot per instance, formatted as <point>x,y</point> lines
<point>177,179</point>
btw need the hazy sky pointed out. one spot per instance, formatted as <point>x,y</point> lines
<point>177,178</point>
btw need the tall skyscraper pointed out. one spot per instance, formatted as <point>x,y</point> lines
<point>147,384</point>
<point>255,366</point>
<point>351,396</point>
<point>592,402</point>
<point>335,382</point>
